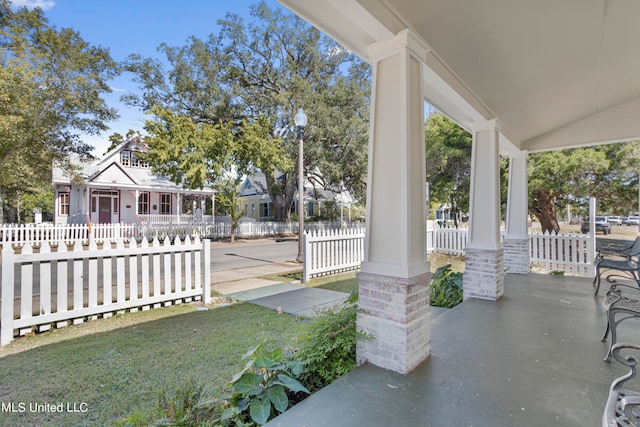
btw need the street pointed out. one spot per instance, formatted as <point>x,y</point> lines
<point>225,256</point>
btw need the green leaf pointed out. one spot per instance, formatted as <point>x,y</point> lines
<point>295,366</point>
<point>278,397</point>
<point>263,361</point>
<point>260,410</point>
<point>248,384</point>
<point>238,375</point>
<point>251,351</point>
<point>291,383</point>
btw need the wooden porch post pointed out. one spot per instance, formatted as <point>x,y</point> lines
<point>517,250</point>
<point>393,283</point>
<point>484,274</point>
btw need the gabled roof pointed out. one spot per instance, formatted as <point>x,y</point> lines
<point>112,174</point>
<point>255,185</point>
<point>108,171</point>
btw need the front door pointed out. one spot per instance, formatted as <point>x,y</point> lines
<point>104,210</point>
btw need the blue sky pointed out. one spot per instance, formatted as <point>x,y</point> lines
<point>136,26</point>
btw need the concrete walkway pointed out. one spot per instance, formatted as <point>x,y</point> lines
<point>293,298</point>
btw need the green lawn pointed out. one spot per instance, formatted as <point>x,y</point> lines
<point>121,370</point>
<point>113,368</point>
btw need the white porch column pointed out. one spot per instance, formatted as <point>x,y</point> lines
<point>516,239</point>
<point>393,283</point>
<point>483,274</point>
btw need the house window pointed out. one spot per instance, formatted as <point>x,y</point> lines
<point>125,157</point>
<point>134,160</point>
<point>165,204</point>
<point>64,203</point>
<point>143,203</point>
<point>246,209</point>
<point>264,210</point>
<point>253,210</point>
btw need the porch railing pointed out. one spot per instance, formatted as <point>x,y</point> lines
<point>174,219</point>
<point>327,253</point>
<point>55,287</point>
<point>569,253</point>
<point>332,251</point>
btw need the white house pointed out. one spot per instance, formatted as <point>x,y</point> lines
<point>121,188</point>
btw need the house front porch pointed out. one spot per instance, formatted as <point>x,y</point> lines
<point>533,358</point>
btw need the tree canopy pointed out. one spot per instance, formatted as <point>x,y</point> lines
<point>607,172</point>
<point>51,88</point>
<point>448,161</point>
<point>268,68</point>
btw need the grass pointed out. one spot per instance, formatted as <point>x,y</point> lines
<point>348,282</point>
<point>116,368</point>
<point>121,371</point>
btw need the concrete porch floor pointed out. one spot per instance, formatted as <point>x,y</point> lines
<point>534,358</point>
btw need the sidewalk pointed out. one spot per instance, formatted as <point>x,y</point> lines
<point>294,298</point>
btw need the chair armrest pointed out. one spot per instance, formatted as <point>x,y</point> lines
<point>629,405</point>
<point>621,287</point>
<point>628,360</point>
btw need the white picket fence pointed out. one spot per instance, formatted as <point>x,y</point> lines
<point>569,253</point>
<point>332,251</point>
<point>328,252</point>
<point>36,234</point>
<point>451,241</point>
<point>21,234</point>
<point>55,287</point>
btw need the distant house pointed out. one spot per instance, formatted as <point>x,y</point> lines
<point>121,188</point>
<point>254,199</point>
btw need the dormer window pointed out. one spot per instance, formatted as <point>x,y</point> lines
<point>129,158</point>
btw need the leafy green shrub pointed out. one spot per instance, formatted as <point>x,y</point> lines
<point>261,389</point>
<point>446,287</point>
<point>270,382</point>
<point>254,395</point>
<point>189,406</point>
<point>328,346</point>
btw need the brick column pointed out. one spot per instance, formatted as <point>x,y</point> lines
<point>517,255</point>
<point>484,273</point>
<point>396,312</point>
<point>517,252</point>
<point>394,281</point>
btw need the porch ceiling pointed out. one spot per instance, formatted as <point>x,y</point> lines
<point>555,74</point>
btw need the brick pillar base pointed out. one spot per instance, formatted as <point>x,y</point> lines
<point>516,255</point>
<point>396,313</point>
<point>483,274</point>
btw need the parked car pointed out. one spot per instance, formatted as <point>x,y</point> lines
<point>615,220</point>
<point>633,220</point>
<point>602,224</point>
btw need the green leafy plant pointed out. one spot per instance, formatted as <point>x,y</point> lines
<point>446,287</point>
<point>261,389</point>
<point>328,347</point>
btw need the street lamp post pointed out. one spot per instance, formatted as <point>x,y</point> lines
<point>300,121</point>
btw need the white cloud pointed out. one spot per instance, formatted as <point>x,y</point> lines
<point>32,4</point>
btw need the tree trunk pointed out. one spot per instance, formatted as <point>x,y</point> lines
<point>281,193</point>
<point>545,210</point>
<point>232,236</point>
